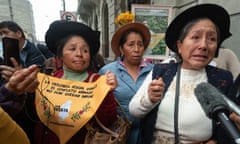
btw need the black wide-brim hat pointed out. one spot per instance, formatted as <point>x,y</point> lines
<point>215,13</point>
<point>136,26</point>
<point>61,28</point>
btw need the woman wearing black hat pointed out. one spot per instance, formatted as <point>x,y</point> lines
<point>75,44</point>
<point>166,99</point>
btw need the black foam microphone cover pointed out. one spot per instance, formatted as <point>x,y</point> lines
<point>209,98</point>
<point>216,108</point>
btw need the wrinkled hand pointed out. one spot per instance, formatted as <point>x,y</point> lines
<point>111,80</point>
<point>236,119</point>
<point>24,80</point>
<point>155,90</point>
<point>7,71</point>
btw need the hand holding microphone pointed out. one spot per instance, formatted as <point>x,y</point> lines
<point>236,118</point>
<point>216,107</point>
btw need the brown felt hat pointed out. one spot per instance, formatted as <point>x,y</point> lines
<point>139,27</point>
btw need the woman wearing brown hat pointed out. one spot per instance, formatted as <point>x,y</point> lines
<point>75,44</point>
<point>128,44</point>
<point>172,113</point>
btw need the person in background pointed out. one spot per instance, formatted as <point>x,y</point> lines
<point>13,93</point>
<point>10,132</point>
<point>1,63</point>
<point>19,106</point>
<point>12,99</point>
<point>227,60</point>
<point>45,51</point>
<point>52,66</point>
<point>75,44</point>
<point>29,54</point>
<point>98,62</point>
<point>195,35</point>
<point>128,44</point>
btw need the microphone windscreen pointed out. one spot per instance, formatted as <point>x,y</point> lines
<point>210,99</point>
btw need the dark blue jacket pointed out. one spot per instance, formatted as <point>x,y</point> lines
<point>30,54</point>
<point>221,79</point>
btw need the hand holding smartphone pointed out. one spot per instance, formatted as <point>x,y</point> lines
<point>10,49</point>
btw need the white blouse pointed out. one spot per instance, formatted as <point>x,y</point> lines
<point>194,125</point>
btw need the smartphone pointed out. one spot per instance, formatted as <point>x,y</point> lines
<point>10,49</point>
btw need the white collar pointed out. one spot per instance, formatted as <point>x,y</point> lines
<point>24,45</point>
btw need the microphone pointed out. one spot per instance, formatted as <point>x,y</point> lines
<point>216,108</point>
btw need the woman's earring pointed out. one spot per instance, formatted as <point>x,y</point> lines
<point>122,57</point>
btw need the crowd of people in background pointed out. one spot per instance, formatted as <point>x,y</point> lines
<point>158,98</point>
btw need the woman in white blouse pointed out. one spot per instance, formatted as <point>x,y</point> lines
<point>172,116</point>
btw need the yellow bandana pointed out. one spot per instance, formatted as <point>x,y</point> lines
<point>65,106</point>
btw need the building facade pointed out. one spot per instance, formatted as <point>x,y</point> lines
<point>21,12</point>
<point>100,15</point>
